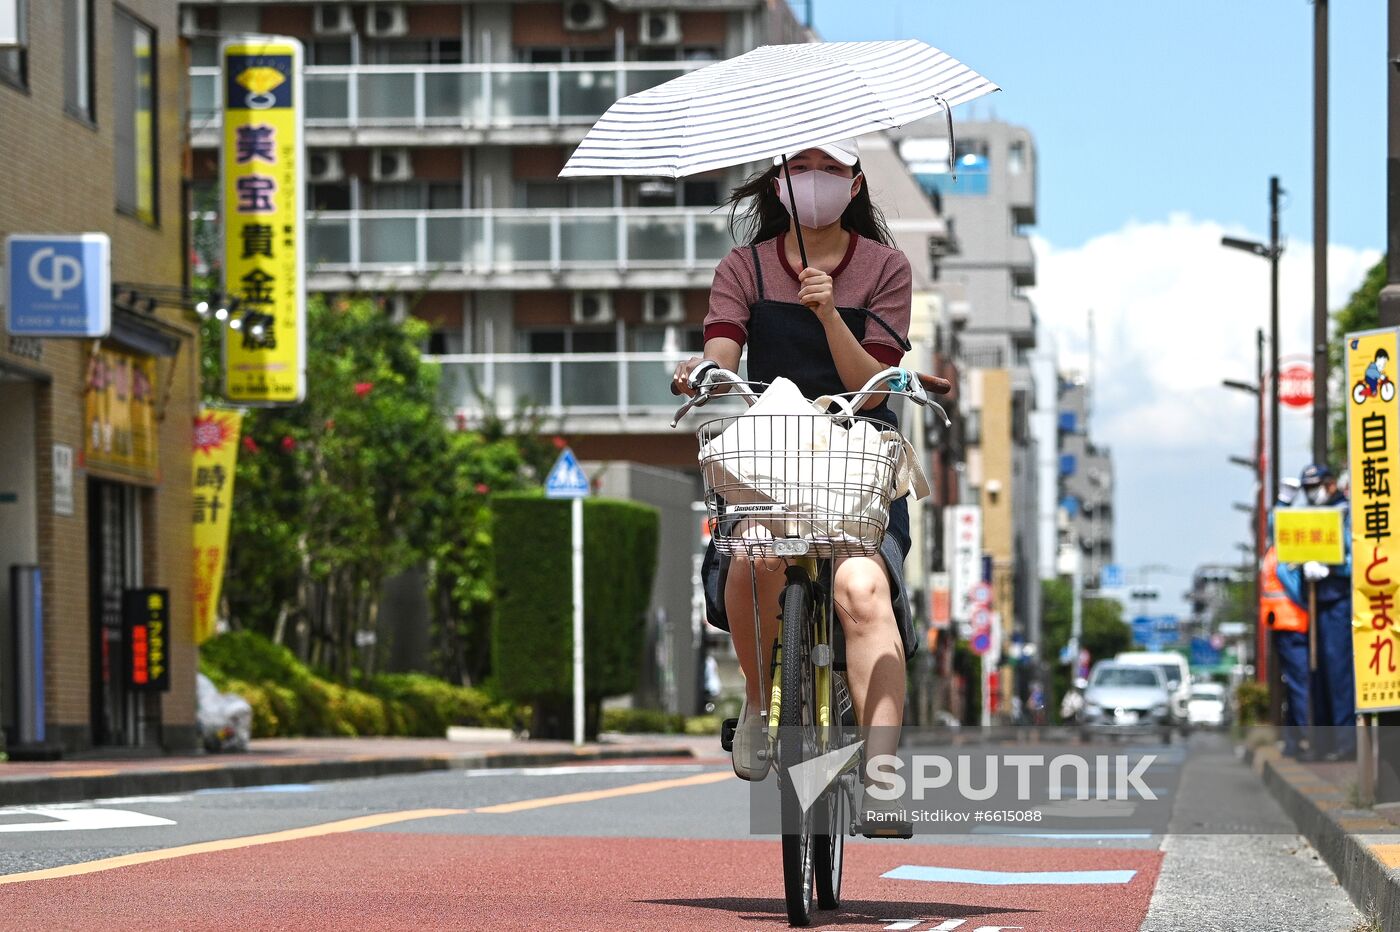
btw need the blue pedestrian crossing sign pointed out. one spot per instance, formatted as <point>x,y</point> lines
<point>567,478</point>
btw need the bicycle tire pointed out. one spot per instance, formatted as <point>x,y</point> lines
<point>833,812</point>
<point>795,715</point>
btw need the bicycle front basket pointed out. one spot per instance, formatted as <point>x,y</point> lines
<point>826,479</point>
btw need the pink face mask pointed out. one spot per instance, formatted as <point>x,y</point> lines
<point>821,197</point>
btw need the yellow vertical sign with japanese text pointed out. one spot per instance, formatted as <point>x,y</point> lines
<point>215,457</point>
<point>1373,454</point>
<point>261,160</point>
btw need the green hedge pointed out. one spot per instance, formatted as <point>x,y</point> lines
<point>532,652</point>
<point>288,699</point>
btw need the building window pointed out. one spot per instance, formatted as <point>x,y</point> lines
<point>134,116</point>
<point>14,61</point>
<point>329,52</point>
<point>77,67</point>
<point>410,52</point>
<point>1016,158</point>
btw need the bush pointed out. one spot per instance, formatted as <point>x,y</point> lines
<point>1252,703</point>
<point>643,721</point>
<point>289,700</point>
<point>426,706</point>
<point>532,639</point>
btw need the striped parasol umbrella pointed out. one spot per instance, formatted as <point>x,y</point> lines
<point>774,101</point>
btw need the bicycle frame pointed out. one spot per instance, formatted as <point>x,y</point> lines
<point>821,637</point>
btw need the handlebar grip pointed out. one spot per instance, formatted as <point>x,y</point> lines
<point>933,383</point>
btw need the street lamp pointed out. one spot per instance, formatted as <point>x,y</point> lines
<point>1272,252</point>
<point>1263,649</point>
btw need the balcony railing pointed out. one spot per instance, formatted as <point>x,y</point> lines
<point>614,239</point>
<point>466,96</point>
<point>616,385</point>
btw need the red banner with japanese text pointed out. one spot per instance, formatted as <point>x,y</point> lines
<point>214,460</point>
<point>1373,451</point>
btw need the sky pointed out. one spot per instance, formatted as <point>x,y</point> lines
<point>1157,126</point>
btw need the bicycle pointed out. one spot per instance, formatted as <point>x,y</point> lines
<point>806,513</point>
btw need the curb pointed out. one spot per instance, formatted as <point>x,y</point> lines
<point>1321,814</point>
<point>23,791</point>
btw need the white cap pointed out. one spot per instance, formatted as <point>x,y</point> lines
<point>842,150</point>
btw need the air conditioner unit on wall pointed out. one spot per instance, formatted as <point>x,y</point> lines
<point>386,20</point>
<point>584,15</point>
<point>189,22</point>
<point>663,307</point>
<point>390,165</point>
<point>592,307</point>
<point>659,27</point>
<point>332,19</point>
<point>323,166</point>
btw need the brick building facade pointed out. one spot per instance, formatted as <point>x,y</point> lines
<point>92,136</point>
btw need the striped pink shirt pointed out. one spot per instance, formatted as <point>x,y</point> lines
<point>870,275</point>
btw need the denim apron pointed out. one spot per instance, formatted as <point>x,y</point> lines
<point>786,339</point>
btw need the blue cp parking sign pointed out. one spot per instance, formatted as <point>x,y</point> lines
<point>58,285</point>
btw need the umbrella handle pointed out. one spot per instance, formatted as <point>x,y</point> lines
<point>952,142</point>
<point>792,199</point>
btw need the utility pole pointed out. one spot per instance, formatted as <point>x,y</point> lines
<point>1319,444</point>
<point>1390,294</point>
<point>1274,253</point>
<point>1387,736</point>
<point>1264,655</point>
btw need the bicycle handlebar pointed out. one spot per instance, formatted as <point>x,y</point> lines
<point>709,375</point>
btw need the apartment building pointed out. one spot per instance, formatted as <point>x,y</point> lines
<point>1085,486</point>
<point>989,202</point>
<point>95,498</point>
<point>435,133</point>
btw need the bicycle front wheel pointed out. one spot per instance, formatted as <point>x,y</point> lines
<point>796,743</point>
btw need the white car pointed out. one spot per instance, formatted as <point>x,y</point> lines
<point>1178,673</point>
<point>1207,705</point>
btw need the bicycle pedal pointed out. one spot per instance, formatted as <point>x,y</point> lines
<point>726,733</point>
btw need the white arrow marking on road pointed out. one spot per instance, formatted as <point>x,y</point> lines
<point>1007,878</point>
<point>74,820</point>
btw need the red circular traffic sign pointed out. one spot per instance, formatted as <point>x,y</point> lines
<point>1295,385</point>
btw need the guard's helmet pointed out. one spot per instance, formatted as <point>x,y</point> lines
<point>1314,474</point>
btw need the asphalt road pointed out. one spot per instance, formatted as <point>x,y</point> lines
<point>644,845</point>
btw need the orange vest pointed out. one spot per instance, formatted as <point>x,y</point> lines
<point>1277,612</point>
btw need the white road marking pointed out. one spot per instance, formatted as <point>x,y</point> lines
<point>574,771</point>
<point>73,820</point>
<point>1007,878</point>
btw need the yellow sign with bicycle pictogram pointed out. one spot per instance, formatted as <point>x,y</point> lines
<point>1373,439</point>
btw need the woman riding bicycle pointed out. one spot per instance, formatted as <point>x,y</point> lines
<point>829,327</point>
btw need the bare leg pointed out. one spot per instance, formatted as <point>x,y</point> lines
<point>738,605</point>
<point>874,651</point>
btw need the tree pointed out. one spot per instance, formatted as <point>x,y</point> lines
<point>337,493</point>
<point>1104,634</point>
<point>1361,312</point>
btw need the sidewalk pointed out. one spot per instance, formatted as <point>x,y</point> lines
<point>1362,846</point>
<point>302,760</point>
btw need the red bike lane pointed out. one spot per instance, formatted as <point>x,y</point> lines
<point>396,879</point>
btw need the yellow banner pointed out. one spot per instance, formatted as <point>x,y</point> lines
<point>1307,534</point>
<point>1373,451</point>
<point>119,403</point>
<point>215,456</point>
<point>261,158</point>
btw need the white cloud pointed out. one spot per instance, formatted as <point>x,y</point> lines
<point>1174,313</point>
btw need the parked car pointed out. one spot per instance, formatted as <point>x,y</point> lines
<point>1178,674</point>
<point>1125,698</point>
<point>1207,706</point>
<point>225,720</point>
